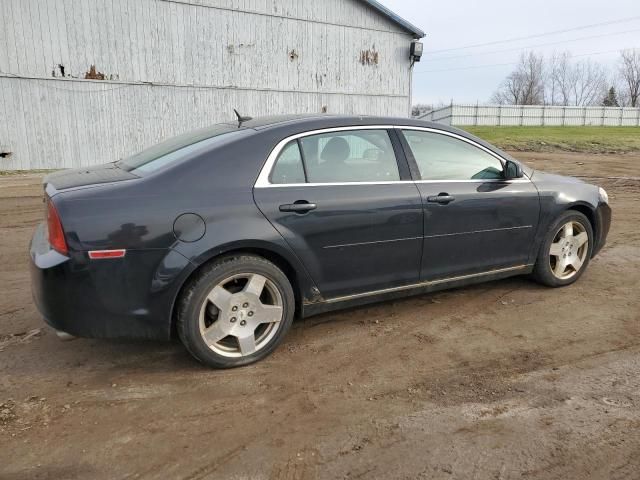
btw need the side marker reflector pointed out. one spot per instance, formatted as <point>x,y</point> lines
<point>97,254</point>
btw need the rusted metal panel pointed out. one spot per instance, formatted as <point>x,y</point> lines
<point>88,82</point>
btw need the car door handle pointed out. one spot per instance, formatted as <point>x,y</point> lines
<point>298,207</point>
<point>442,198</point>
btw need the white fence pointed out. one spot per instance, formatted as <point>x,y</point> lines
<point>534,115</point>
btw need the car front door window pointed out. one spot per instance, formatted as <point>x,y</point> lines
<point>442,157</point>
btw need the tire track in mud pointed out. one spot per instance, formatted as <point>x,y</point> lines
<point>458,371</point>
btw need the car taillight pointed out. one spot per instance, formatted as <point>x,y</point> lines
<point>54,226</point>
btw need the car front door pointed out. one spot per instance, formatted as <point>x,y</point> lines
<point>347,207</point>
<point>475,220</point>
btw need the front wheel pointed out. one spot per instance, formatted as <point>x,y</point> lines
<point>236,311</point>
<point>566,250</point>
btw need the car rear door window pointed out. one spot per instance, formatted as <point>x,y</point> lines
<point>443,157</point>
<point>288,167</point>
<point>349,156</point>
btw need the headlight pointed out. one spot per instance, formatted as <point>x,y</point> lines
<point>603,195</point>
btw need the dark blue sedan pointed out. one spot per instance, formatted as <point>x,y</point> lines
<point>223,235</point>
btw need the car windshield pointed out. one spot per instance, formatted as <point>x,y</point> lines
<point>173,149</point>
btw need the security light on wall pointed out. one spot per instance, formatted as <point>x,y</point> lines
<point>416,51</point>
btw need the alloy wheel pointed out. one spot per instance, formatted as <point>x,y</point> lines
<point>241,314</point>
<point>568,250</point>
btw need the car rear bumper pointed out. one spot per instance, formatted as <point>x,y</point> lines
<point>603,224</point>
<point>46,268</point>
<point>129,297</point>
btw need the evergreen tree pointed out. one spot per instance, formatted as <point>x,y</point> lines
<point>611,99</point>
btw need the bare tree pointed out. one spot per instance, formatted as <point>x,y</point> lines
<point>556,81</point>
<point>525,85</point>
<point>559,79</point>
<point>420,109</point>
<point>630,75</point>
<point>623,94</point>
<point>588,79</point>
<point>549,85</point>
<point>580,83</point>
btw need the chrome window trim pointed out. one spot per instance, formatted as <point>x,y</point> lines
<point>330,184</point>
<point>486,180</point>
<point>263,177</point>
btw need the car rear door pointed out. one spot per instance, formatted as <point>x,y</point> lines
<point>475,220</point>
<point>347,207</point>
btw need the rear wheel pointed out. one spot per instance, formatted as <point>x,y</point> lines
<point>236,311</point>
<point>566,251</point>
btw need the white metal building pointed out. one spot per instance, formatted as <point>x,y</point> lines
<point>86,82</point>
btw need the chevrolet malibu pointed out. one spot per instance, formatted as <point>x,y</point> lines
<point>221,236</point>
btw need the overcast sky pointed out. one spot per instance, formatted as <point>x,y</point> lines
<point>459,23</point>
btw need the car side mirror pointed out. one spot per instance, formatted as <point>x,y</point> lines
<point>512,170</point>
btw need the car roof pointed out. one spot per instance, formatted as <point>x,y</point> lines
<point>293,124</point>
<point>324,120</point>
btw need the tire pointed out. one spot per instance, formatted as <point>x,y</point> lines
<point>236,311</point>
<point>574,250</point>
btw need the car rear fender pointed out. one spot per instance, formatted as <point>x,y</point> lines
<point>275,251</point>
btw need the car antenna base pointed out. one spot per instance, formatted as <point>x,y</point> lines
<point>241,119</point>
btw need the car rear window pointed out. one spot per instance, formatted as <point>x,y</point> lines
<point>176,148</point>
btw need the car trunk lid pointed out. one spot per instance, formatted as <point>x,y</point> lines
<point>82,177</point>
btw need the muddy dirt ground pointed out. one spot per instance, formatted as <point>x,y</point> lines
<point>502,380</point>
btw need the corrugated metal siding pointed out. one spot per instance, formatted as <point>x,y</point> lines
<point>535,115</point>
<point>171,66</point>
